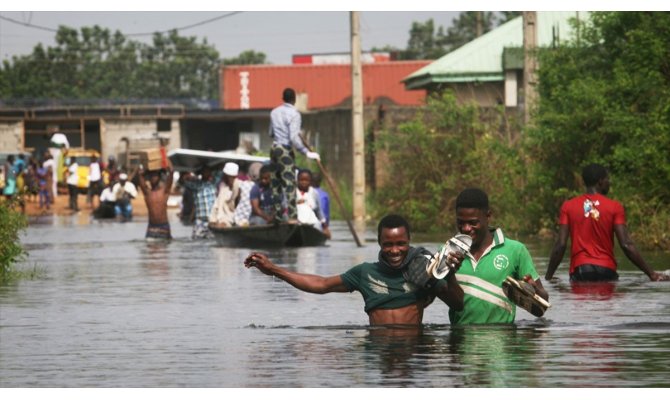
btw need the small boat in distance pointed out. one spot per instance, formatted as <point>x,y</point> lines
<point>283,234</point>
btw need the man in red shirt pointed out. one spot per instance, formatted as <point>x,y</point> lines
<point>592,220</point>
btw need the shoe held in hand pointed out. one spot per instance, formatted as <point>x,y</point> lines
<point>458,244</point>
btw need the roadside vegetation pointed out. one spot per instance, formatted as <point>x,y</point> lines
<point>12,223</point>
<point>603,98</point>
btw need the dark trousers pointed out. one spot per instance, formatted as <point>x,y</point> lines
<point>94,189</point>
<point>74,192</point>
<point>593,273</point>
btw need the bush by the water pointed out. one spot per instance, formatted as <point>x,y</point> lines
<point>11,251</point>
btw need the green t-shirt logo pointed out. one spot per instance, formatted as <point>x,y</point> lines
<point>501,262</point>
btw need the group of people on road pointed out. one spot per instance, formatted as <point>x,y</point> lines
<point>473,288</point>
<point>29,180</point>
<point>36,180</point>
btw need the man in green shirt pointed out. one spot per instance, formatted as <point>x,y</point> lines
<point>491,259</point>
<point>390,299</point>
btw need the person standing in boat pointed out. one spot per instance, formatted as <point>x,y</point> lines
<point>285,123</point>
<point>156,198</point>
<point>390,298</point>
<point>591,220</point>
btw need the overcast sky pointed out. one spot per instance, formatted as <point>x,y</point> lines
<point>307,28</point>
<point>277,34</point>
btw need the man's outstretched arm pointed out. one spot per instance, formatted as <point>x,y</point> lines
<point>305,282</point>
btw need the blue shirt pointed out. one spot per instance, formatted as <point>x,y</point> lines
<point>264,196</point>
<point>285,124</point>
<point>19,165</point>
<point>324,200</point>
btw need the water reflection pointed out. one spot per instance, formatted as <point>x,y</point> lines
<point>595,291</point>
<point>492,356</point>
<point>116,311</point>
<point>394,352</point>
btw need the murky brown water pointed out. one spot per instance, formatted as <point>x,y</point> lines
<point>115,311</point>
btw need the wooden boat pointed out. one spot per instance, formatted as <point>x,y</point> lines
<point>284,234</point>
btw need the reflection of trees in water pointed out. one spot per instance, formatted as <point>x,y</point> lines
<point>497,356</point>
<point>394,352</point>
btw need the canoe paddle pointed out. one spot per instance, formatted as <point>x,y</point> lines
<point>336,194</point>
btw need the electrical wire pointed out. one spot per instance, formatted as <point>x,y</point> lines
<point>207,21</point>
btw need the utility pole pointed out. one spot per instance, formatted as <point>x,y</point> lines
<point>480,29</point>
<point>529,62</point>
<point>358,138</point>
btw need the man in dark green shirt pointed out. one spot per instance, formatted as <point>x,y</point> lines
<point>389,297</point>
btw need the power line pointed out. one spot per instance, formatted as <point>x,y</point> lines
<point>44,28</point>
<point>207,21</point>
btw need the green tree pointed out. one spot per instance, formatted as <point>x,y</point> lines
<point>247,57</point>
<point>424,41</point>
<point>447,147</point>
<point>606,98</point>
<point>428,42</point>
<point>464,28</point>
<point>94,63</point>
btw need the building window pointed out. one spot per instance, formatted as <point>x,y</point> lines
<point>164,125</point>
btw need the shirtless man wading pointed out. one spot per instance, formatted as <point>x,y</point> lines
<point>156,199</point>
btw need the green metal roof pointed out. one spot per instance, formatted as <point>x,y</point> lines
<point>482,58</point>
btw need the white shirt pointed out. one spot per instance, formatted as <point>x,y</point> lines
<point>60,138</point>
<point>94,172</point>
<point>51,163</point>
<point>107,195</point>
<point>128,187</point>
<point>73,177</point>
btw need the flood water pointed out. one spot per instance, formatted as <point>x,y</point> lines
<point>115,311</point>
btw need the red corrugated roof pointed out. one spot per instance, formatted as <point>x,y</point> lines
<point>261,86</point>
